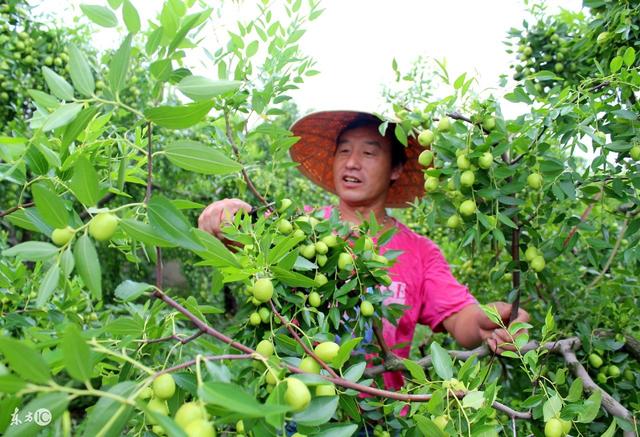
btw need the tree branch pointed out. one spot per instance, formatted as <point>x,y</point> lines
<point>15,208</point>
<point>614,251</point>
<point>206,358</point>
<point>173,337</point>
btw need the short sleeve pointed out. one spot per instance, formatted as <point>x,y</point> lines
<point>442,294</point>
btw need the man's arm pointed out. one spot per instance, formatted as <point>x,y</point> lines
<point>470,326</point>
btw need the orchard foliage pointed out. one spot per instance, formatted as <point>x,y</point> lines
<point>540,208</point>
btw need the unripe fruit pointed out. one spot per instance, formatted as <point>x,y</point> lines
<point>535,181</point>
<point>265,348</point>
<point>386,280</point>
<point>635,153</point>
<point>327,351</point>
<point>284,205</point>
<point>330,240</point>
<point>200,428</point>
<point>239,426</point>
<point>321,260</point>
<point>265,314</point>
<point>321,248</point>
<point>486,160</point>
<point>158,406</point>
<point>380,259</point>
<point>426,137</point>
<point>431,183</point>
<point>463,162</point>
<point>566,426</point>
<point>530,253</point>
<point>263,289</point>
<point>164,386</point>
<point>613,371</point>
<point>103,226</point>
<point>602,378</point>
<point>426,158</point>
<point>628,375</point>
<point>454,221</point>
<point>299,234</point>
<point>602,38</point>
<point>538,263</point>
<point>559,67</point>
<point>595,360</point>
<point>366,308</point>
<point>345,261</point>
<point>489,123</point>
<point>297,394</point>
<point>600,137</point>
<point>467,178</point>
<point>157,429</point>
<point>285,226</point>
<point>325,390</point>
<point>62,236</point>
<point>314,299</point>
<point>444,125</point>
<point>255,319</point>
<point>320,279</point>
<point>553,428</point>
<point>308,250</point>
<point>309,365</point>
<point>187,413</point>
<point>441,422</point>
<point>270,378</point>
<point>368,243</point>
<point>146,393</point>
<point>468,207</point>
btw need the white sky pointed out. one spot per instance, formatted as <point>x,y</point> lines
<point>354,41</point>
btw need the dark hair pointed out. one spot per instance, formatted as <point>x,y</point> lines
<point>398,154</point>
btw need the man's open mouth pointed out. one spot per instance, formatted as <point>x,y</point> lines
<point>351,179</point>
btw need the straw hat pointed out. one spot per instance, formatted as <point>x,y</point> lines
<point>314,151</point>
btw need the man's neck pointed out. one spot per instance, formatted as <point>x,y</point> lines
<point>357,214</point>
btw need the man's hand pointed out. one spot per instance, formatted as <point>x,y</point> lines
<point>497,338</point>
<point>218,213</point>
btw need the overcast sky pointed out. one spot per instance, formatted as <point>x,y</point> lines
<point>354,42</point>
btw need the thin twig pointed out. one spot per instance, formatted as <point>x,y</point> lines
<point>614,251</point>
<point>584,215</point>
<point>206,358</point>
<point>149,164</point>
<point>15,208</point>
<point>236,152</point>
<point>173,337</point>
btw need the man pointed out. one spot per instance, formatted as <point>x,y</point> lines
<point>344,152</point>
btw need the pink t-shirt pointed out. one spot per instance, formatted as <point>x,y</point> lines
<point>422,280</point>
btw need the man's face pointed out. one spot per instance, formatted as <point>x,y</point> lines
<point>362,166</point>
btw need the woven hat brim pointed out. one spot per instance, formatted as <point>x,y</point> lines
<point>315,149</point>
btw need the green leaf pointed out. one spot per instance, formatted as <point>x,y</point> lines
<point>179,117</point>
<point>551,408</point>
<point>130,17</point>
<point>108,416</point>
<point>144,232</point>
<point>76,354</point>
<point>62,116</point>
<point>11,384</point>
<point>629,56</point>
<point>575,391</point>
<point>25,361</point>
<point>616,64</point>
<point>190,22</point>
<point>428,427</point>
<point>171,224</point>
<point>416,371</point>
<point>355,372</point>
<point>169,426</point>
<point>197,157</point>
<point>80,72</point>
<point>32,251</point>
<point>611,431</point>
<point>215,251</point>
<point>292,279</point>
<point>591,408</point>
<point>161,69</point>
<point>57,85</point>
<point>43,99</point>
<point>339,431</point>
<point>201,88</point>
<point>119,65</point>
<point>54,403</point>
<point>48,285</point>
<point>100,15</point>
<point>78,125</point>
<point>320,410</point>
<point>50,206</point>
<point>441,361</point>
<point>84,182</point>
<point>154,41</point>
<point>88,265</point>
<point>233,398</point>
<point>507,221</point>
<point>344,353</point>
<point>473,399</point>
<point>129,290</point>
